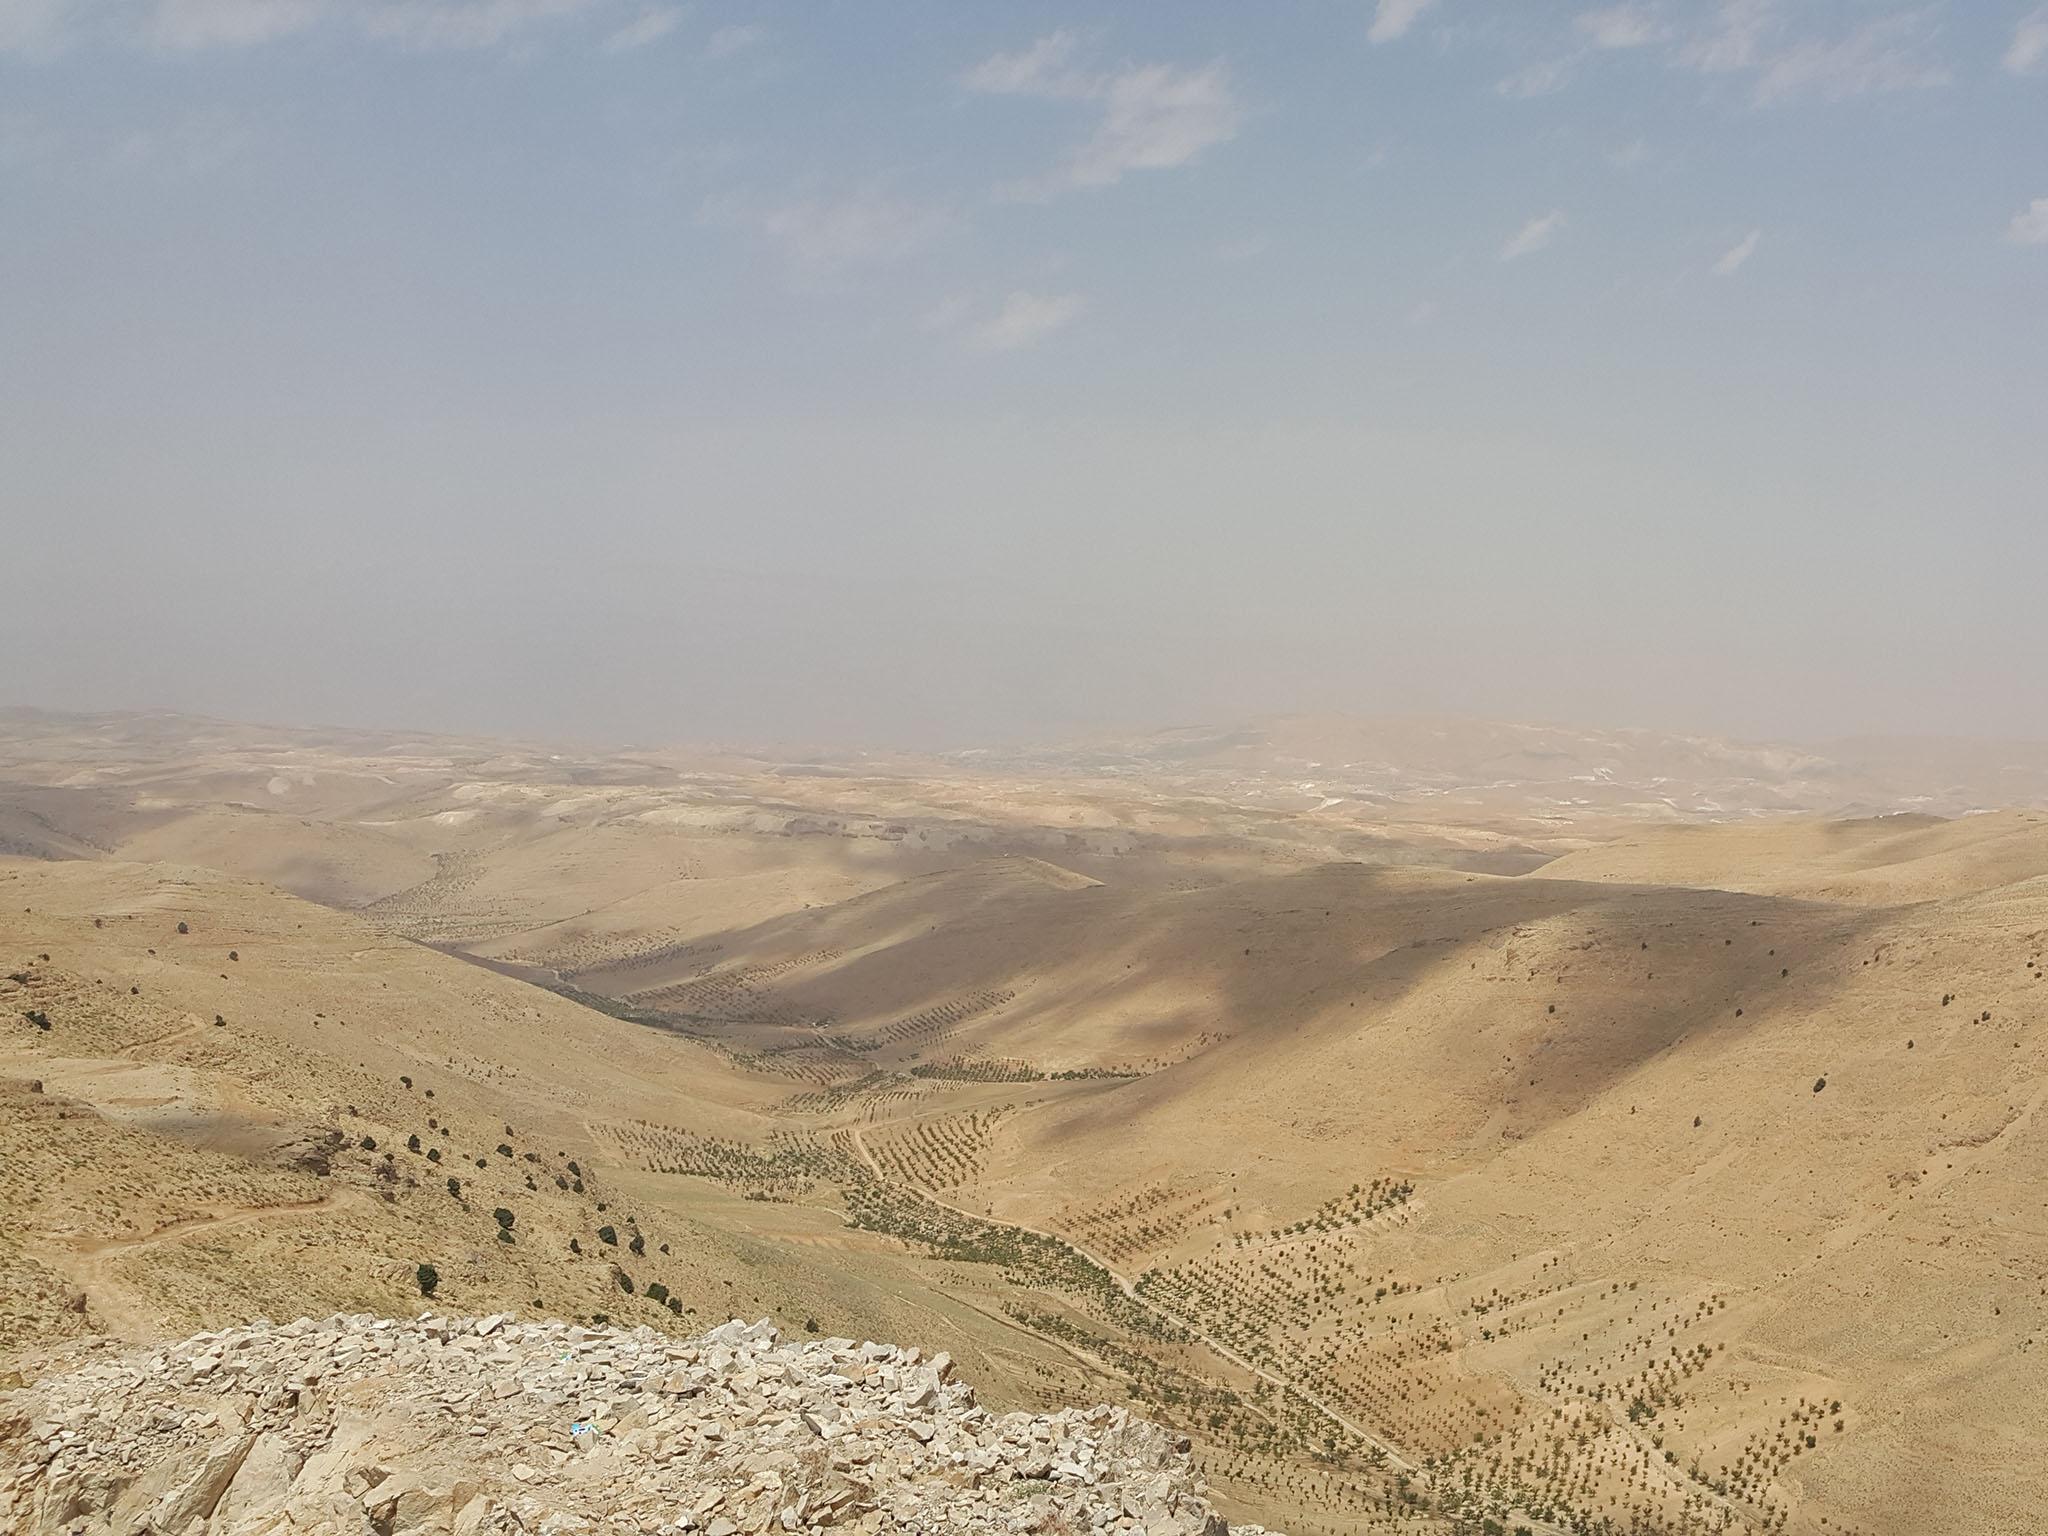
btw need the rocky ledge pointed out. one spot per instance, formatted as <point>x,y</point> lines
<point>478,1426</point>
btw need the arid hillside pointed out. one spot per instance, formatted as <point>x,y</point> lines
<point>1599,1173</point>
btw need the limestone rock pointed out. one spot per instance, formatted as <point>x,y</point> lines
<point>437,1426</point>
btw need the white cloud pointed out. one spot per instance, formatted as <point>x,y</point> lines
<point>651,25</point>
<point>1735,39</point>
<point>1533,236</point>
<point>1154,116</point>
<point>1620,26</point>
<point>727,41</point>
<point>45,25</point>
<point>1545,77</point>
<point>1630,155</point>
<point>1043,69</point>
<point>230,23</point>
<point>821,240</point>
<point>1393,18</point>
<point>2028,54</point>
<point>2030,225</point>
<point>1732,259</point>
<point>1893,52</point>
<point>429,24</point>
<point>1025,319</point>
<point>1890,54</point>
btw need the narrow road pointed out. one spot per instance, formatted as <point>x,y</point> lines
<point>87,1265</point>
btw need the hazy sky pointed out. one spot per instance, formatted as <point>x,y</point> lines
<point>933,372</point>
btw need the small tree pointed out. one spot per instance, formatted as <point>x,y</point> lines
<point>608,1236</point>
<point>503,1217</point>
<point>428,1277</point>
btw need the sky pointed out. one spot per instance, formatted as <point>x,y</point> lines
<point>928,374</point>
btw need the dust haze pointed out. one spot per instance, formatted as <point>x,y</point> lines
<point>788,770</point>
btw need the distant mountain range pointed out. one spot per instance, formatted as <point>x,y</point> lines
<point>1478,763</point>
<point>1461,767</point>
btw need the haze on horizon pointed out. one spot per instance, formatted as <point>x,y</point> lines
<point>925,374</point>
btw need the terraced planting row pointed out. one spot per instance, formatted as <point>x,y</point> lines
<point>929,1025</point>
<point>942,1152</point>
<point>787,1166</point>
<point>1150,1218</point>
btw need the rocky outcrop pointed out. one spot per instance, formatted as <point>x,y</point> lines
<point>360,1426</point>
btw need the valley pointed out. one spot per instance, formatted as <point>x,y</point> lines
<point>1449,1160</point>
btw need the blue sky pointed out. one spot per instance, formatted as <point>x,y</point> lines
<point>929,372</point>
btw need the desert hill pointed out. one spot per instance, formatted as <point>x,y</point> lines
<point>1494,767</point>
<point>235,1136</point>
<point>1564,1168</point>
<point>1888,860</point>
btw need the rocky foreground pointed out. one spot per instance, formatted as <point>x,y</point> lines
<point>472,1427</point>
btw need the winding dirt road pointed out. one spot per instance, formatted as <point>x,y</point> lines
<point>88,1265</point>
